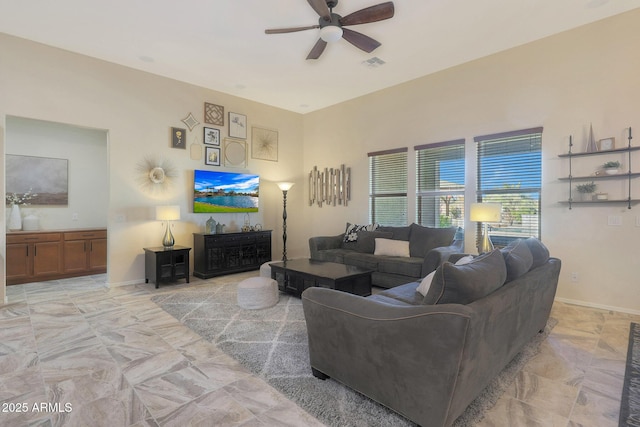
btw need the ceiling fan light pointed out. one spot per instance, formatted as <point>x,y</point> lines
<point>331,33</point>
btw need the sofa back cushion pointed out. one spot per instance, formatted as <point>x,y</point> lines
<point>423,239</point>
<point>399,233</point>
<point>366,241</point>
<point>517,258</point>
<point>539,252</point>
<point>463,284</point>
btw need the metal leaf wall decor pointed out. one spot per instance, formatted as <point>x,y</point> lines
<point>331,186</point>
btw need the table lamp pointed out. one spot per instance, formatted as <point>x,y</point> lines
<point>168,213</point>
<point>485,213</point>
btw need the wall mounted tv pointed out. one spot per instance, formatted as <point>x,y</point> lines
<point>216,192</point>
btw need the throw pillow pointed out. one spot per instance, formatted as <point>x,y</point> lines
<point>351,233</point>
<point>423,239</point>
<point>517,258</point>
<point>366,242</point>
<point>392,247</point>
<point>538,250</point>
<point>425,283</point>
<point>463,284</point>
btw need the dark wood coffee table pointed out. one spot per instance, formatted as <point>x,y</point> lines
<point>296,275</point>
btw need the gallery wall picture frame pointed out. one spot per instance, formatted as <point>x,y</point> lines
<point>213,114</point>
<point>178,138</point>
<point>607,144</point>
<point>237,125</point>
<point>190,121</point>
<point>212,156</point>
<point>211,136</point>
<point>45,179</point>
<point>264,144</point>
<point>235,153</point>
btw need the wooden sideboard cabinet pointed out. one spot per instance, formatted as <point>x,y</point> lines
<point>85,251</point>
<point>218,254</point>
<point>34,256</point>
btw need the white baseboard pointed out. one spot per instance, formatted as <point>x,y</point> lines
<point>599,306</point>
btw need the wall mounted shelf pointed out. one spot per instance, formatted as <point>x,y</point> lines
<point>626,176</point>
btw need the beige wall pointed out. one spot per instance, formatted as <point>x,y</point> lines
<point>563,83</point>
<point>137,110</point>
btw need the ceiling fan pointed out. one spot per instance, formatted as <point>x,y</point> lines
<point>332,25</point>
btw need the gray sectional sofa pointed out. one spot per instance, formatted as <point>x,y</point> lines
<point>428,357</point>
<point>427,249</point>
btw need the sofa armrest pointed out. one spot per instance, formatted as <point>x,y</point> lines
<point>405,357</point>
<point>437,256</point>
<point>322,243</point>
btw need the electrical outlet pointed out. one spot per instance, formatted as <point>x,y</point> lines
<point>74,216</point>
<point>574,277</point>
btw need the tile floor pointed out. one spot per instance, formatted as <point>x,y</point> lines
<point>78,353</point>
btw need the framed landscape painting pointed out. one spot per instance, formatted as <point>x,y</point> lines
<point>46,177</point>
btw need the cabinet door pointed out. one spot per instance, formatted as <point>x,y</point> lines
<point>75,256</point>
<point>98,254</point>
<point>18,262</point>
<point>47,258</point>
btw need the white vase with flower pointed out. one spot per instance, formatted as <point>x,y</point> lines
<point>15,217</point>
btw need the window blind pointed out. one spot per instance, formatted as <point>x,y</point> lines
<point>510,172</point>
<point>440,180</point>
<point>388,187</point>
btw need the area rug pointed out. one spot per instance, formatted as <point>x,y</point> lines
<point>272,343</point>
<point>630,402</point>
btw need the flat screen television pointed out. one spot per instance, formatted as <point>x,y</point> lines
<point>216,192</point>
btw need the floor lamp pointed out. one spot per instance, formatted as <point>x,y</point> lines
<point>284,186</point>
<point>485,213</point>
<point>168,213</point>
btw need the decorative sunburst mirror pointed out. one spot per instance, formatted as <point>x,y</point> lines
<point>155,174</point>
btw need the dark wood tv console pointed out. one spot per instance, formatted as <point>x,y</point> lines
<point>219,254</point>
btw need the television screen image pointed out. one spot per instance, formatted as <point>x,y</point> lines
<point>216,192</point>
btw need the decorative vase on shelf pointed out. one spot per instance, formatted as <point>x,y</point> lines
<point>31,222</point>
<point>15,219</point>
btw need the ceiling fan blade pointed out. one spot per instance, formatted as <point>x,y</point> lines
<point>321,8</point>
<point>359,40</point>
<point>317,49</point>
<point>290,30</point>
<point>375,13</point>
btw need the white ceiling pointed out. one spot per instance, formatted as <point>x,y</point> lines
<point>221,44</point>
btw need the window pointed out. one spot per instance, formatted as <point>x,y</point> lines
<point>388,187</point>
<point>510,173</point>
<point>440,184</point>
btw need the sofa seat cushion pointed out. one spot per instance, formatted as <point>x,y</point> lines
<point>411,266</point>
<point>404,293</point>
<point>463,284</point>
<point>333,255</point>
<point>389,300</point>
<point>368,261</point>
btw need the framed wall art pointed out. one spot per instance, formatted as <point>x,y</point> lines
<point>178,138</point>
<point>264,144</point>
<point>235,153</point>
<point>211,136</point>
<point>213,114</point>
<point>45,179</point>
<point>237,125</point>
<point>212,156</point>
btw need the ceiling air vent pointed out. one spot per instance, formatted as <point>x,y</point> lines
<point>374,62</point>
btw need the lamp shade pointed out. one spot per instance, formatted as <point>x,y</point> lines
<point>485,212</point>
<point>285,186</point>
<point>168,213</point>
<point>331,33</point>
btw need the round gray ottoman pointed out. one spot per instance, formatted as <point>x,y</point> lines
<point>257,292</point>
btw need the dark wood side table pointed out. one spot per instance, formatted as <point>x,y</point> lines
<point>166,265</point>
